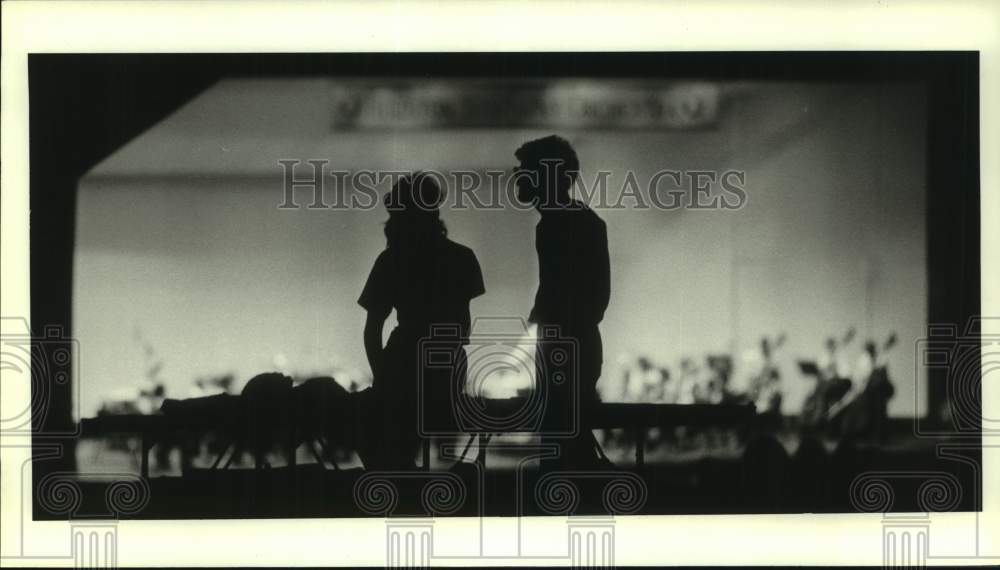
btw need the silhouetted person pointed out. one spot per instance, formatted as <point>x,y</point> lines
<point>325,415</point>
<point>846,463</point>
<point>810,475</point>
<point>865,413</point>
<point>574,287</point>
<point>428,280</point>
<point>268,402</point>
<point>765,473</point>
<point>765,384</point>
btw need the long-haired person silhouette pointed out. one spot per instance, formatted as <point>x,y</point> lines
<point>429,281</point>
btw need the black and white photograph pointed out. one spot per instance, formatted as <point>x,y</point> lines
<point>563,286</point>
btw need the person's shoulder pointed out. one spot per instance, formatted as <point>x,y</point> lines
<point>588,214</point>
<point>384,256</point>
<point>459,250</point>
<point>381,267</point>
<point>582,209</point>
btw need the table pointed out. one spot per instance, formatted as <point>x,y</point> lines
<point>636,418</point>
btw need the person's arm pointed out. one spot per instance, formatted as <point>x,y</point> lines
<point>377,299</point>
<point>475,286</point>
<point>373,337</point>
<point>466,324</point>
<point>535,314</point>
<point>593,302</point>
<point>603,274</point>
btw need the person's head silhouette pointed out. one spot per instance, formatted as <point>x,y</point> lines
<point>414,216</point>
<point>871,348</point>
<point>831,344</point>
<point>546,173</point>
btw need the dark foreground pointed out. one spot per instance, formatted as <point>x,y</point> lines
<point>902,475</point>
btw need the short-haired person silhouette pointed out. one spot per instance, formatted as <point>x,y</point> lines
<point>429,280</point>
<point>574,288</point>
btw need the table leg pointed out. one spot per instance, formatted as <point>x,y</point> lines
<point>147,444</point>
<point>481,452</point>
<point>218,459</point>
<point>311,445</point>
<point>639,434</point>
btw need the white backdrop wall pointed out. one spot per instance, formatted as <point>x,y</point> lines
<point>180,238</point>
